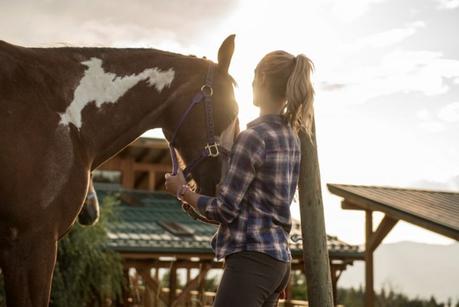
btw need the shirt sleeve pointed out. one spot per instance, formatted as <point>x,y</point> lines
<point>246,157</point>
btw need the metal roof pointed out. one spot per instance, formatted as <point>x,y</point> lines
<point>434,210</point>
<point>154,222</point>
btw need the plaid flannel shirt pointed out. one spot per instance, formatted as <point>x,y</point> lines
<point>252,204</point>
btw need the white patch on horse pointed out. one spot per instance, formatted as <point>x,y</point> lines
<point>106,87</point>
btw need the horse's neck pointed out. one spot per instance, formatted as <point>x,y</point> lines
<point>118,98</point>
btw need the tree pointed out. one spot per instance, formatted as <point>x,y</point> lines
<point>86,272</point>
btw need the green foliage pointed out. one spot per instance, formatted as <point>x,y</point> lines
<point>299,289</point>
<point>211,284</point>
<point>387,297</point>
<point>164,282</point>
<point>86,273</point>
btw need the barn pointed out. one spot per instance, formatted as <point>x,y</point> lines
<point>155,237</point>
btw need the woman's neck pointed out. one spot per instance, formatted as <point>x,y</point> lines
<point>271,107</point>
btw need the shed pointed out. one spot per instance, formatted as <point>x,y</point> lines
<point>152,232</point>
<point>437,211</point>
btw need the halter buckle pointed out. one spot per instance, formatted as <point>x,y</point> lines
<point>212,150</point>
<point>207,90</point>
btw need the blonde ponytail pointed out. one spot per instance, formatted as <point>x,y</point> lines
<point>300,95</point>
<point>289,78</point>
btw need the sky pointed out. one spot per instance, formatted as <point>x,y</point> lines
<point>386,76</point>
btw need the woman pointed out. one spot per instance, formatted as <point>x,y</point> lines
<point>253,202</point>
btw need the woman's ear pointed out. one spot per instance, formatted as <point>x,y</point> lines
<point>225,53</point>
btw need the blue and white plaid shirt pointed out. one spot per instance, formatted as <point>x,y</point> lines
<point>253,202</point>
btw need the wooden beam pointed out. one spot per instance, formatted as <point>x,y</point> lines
<point>346,205</point>
<point>125,290</point>
<point>383,229</point>
<point>147,296</point>
<point>153,284</point>
<point>369,204</point>
<point>172,283</point>
<point>156,302</point>
<point>334,284</point>
<point>194,283</point>
<point>127,174</point>
<point>188,296</point>
<point>144,263</point>
<point>315,250</point>
<point>151,181</point>
<point>369,287</point>
<point>202,281</point>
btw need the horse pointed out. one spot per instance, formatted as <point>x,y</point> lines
<point>64,111</point>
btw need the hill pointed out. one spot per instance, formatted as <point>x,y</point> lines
<point>416,269</point>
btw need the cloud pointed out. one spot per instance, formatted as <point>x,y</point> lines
<point>348,11</point>
<point>385,38</point>
<point>448,4</point>
<point>450,184</point>
<point>433,126</point>
<point>107,23</point>
<point>450,112</point>
<point>326,86</point>
<point>428,122</point>
<point>394,36</point>
<point>437,122</point>
<point>399,71</point>
<point>423,114</point>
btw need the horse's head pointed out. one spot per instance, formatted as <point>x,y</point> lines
<point>193,134</point>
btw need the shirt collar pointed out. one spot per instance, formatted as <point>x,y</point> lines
<point>271,118</point>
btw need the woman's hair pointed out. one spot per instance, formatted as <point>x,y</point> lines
<point>289,78</point>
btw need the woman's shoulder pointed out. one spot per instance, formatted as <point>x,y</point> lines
<point>250,135</point>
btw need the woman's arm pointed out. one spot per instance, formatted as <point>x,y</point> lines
<point>176,183</point>
<point>246,156</point>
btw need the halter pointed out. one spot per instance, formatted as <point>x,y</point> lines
<point>211,150</point>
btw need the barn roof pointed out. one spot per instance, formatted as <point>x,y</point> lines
<point>434,210</point>
<point>154,222</point>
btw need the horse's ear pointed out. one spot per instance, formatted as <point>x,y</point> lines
<point>225,53</point>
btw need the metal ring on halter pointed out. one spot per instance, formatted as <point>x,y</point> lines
<point>207,90</point>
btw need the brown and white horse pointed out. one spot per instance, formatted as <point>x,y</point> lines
<point>63,112</point>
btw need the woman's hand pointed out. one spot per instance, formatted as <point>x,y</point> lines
<point>173,183</point>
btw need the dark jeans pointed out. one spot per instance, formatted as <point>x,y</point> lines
<point>251,279</point>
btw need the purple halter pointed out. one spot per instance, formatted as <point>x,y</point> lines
<point>211,150</point>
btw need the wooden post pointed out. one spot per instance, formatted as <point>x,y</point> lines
<point>127,173</point>
<point>369,288</point>
<point>158,290</point>
<point>154,286</point>
<point>315,251</point>
<point>202,281</point>
<point>151,181</point>
<point>147,293</point>
<point>188,279</point>
<point>172,283</point>
<point>372,241</point>
<point>126,293</point>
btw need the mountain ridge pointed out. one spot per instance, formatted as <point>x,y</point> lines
<point>413,268</point>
